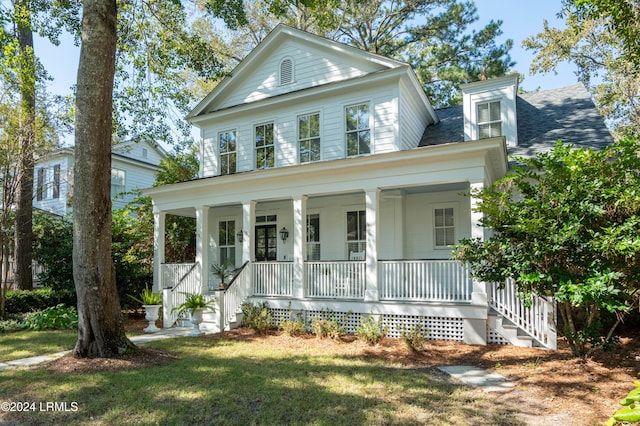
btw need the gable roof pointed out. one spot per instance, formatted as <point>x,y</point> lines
<point>273,41</point>
<point>567,113</point>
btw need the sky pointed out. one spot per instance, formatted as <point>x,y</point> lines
<point>521,19</point>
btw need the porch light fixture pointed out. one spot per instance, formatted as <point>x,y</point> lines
<point>284,234</point>
<point>240,236</point>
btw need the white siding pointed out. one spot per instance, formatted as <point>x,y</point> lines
<point>137,176</point>
<point>413,119</point>
<point>384,107</point>
<point>312,67</point>
<point>48,203</point>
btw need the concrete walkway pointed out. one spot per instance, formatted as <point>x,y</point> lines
<point>478,377</point>
<point>165,333</point>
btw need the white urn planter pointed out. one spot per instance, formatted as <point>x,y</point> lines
<point>196,319</point>
<point>151,315</point>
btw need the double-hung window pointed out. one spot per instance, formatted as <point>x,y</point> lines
<point>489,119</point>
<point>264,146</point>
<point>358,129</point>
<point>227,240</point>
<point>117,182</point>
<point>444,227</point>
<point>227,142</point>
<point>356,231</point>
<point>309,137</point>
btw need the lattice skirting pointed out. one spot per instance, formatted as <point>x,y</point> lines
<point>436,328</point>
<point>494,337</point>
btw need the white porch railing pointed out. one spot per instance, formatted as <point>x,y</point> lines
<point>537,320</point>
<point>236,294</point>
<point>272,279</point>
<point>180,278</point>
<point>343,280</point>
<point>424,280</point>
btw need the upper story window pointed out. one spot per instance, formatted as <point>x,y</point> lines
<point>358,129</point>
<point>264,146</point>
<point>227,152</point>
<point>309,137</point>
<point>117,182</point>
<point>286,71</point>
<point>444,227</point>
<point>40,184</point>
<point>48,178</point>
<point>56,181</point>
<point>489,119</point>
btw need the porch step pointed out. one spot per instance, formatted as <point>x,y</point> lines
<point>509,331</point>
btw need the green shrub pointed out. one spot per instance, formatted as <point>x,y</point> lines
<point>22,301</point>
<point>56,317</point>
<point>327,324</point>
<point>630,412</point>
<point>257,317</point>
<point>10,325</point>
<point>294,327</point>
<point>370,330</point>
<point>414,337</point>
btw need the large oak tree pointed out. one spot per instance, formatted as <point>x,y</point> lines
<point>100,329</point>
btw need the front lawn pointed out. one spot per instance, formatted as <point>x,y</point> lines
<point>215,380</point>
<point>24,344</point>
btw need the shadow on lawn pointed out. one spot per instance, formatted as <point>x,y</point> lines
<point>219,381</point>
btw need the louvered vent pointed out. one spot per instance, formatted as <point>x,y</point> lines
<point>286,71</point>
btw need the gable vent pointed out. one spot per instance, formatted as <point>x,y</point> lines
<point>286,71</point>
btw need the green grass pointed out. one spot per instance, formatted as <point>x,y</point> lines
<point>226,382</point>
<point>24,344</point>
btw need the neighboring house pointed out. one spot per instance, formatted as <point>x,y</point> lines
<point>133,165</point>
<point>328,177</point>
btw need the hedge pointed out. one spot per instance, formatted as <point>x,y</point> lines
<point>21,301</point>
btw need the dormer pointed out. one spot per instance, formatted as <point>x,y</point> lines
<point>490,109</point>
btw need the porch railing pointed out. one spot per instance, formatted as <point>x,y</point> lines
<point>536,319</point>
<point>336,279</point>
<point>188,282</point>
<point>424,280</point>
<point>236,293</point>
<point>272,279</point>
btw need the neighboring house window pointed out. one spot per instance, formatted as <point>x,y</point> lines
<point>286,71</point>
<point>313,237</point>
<point>444,227</point>
<point>117,182</point>
<point>40,185</point>
<point>145,153</point>
<point>56,181</point>
<point>358,129</point>
<point>264,146</point>
<point>489,120</point>
<point>227,240</point>
<point>356,231</point>
<point>309,137</point>
<point>227,152</point>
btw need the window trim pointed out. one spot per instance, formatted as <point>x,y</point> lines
<point>488,102</point>
<point>455,226</point>
<point>346,132</point>
<point>309,139</point>
<point>362,243</point>
<point>317,243</point>
<point>227,247</point>
<point>256,148</point>
<point>227,153</point>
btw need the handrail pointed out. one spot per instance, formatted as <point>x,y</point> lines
<point>237,273</point>
<point>183,277</point>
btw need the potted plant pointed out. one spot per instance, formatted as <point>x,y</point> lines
<point>223,271</point>
<point>195,303</point>
<point>151,302</point>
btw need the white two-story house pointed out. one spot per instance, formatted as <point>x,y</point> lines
<point>133,165</point>
<point>331,181</point>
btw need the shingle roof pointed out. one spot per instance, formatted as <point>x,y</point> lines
<point>544,117</point>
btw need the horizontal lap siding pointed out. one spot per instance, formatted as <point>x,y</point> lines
<point>413,119</point>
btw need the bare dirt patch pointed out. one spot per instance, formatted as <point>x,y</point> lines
<point>551,387</point>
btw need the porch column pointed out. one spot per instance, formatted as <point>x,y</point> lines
<point>248,223</point>
<point>372,198</point>
<point>299,244</point>
<point>202,246</point>
<point>159,220</point>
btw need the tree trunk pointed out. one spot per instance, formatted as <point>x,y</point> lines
<point>100,328</point>
<point>23,252</point>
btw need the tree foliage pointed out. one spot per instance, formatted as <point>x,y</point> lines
<point>566,225</point>
<point>611,76</point>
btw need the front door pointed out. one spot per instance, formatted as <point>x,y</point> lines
<point>266,243</point>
